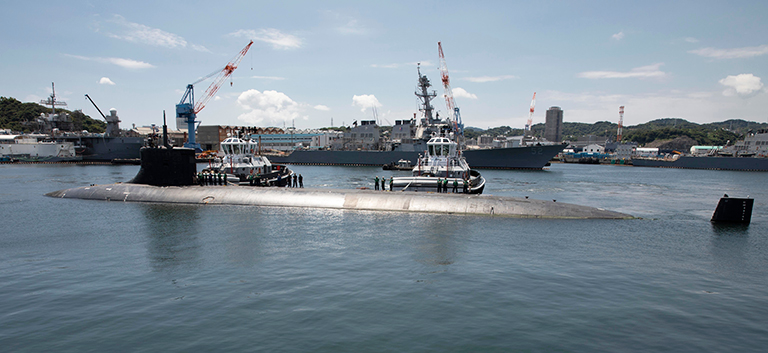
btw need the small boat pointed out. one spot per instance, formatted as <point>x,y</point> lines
<point>443,169</point>
<point>402,164</point>
<point>244,166</point>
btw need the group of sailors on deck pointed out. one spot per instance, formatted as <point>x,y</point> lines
<point>444,183</point>
<point>383,183</point>
<point>211,177</point>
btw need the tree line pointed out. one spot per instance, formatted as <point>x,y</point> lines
<point>716,134</point>
<point>21,117</point>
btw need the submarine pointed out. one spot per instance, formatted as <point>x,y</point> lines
<point>167,175</point>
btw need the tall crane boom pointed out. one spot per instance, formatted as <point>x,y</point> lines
<point>530,115</point>
<point>187,109</point>
<point>220,78</point>
<point>449,103</point>
<point>621,123</point>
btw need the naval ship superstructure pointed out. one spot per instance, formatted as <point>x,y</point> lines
<point>413,143</point>
<point>114,144</point>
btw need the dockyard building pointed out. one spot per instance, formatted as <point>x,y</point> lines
<point>553,128</point>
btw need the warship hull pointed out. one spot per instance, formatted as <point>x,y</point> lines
<point>717,163</point>
<point>105,149</point>
<point>529,157</point>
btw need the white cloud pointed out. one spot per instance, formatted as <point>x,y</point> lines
<point>691,40</point>
<point>128,63</point>
<point>399,65</point>
<point>700,95</point>
<point>483,79</point>
<point>322,107</point>
<point>649,71</point>
<point>618,36</point>
<point>694,106</point>
<point>276,78</point>
<point>217,98</point>
<point>365,101</point>
<point>125,63</point>
<point>344,24</point>
<point>272,36</point>
<point>268,107</point>
<point>459,92</point>
<point>106,81</point>
<point>352,27</point>
<point>744,85</point>
<point>139,33</point>
<point>733,53</point>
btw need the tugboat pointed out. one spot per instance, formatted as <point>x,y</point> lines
<point>443,169</point>
<point>244,166</point>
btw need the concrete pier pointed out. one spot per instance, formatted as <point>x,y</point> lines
<point>340,199</point>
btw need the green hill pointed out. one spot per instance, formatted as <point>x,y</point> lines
<point>718,133</point>
<point>20,117</point>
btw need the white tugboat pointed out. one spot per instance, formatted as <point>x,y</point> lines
<point>443,169</point>
<point>244,166</point>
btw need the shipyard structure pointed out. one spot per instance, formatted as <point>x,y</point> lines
<point>368,144</point>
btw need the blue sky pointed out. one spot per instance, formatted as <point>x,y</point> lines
<point>317,61</point>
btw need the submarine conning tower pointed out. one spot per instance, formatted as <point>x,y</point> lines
<point>165,166</point>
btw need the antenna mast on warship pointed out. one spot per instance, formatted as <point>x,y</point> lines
<point>425,96</point>
<point>52,100</point>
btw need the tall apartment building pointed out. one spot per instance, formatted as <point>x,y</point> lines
<point>553,126</point>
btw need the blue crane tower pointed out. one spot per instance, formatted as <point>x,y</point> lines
<point>187,109</point>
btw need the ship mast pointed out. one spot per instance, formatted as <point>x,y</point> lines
<point>52,100</point>
<point>425,96</point>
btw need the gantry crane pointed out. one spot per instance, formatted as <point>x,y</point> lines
<point>187,109</point>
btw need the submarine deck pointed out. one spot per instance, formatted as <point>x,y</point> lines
<point>339,199</point>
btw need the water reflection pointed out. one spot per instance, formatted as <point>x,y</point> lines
<point>726,229</point>
<point>438,247</point>
<point>245,228</point>
<point>173,240</point>
<point>730,246</point>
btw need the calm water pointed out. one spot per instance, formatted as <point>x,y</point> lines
<point>80,276</point>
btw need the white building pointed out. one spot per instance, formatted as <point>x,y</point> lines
<point>646,152</point>
<point>624,150</point>
<point>704,150</point>
<point>594,148</point>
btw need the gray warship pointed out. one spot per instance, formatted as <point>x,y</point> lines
<point>409,139</point>
<point>114,144</point>
<point>749,154</point>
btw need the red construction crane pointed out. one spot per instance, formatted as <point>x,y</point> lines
<point>530,115</point>
<point>450,104</point>
<point>223,74</point>
<point>187,109</point>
